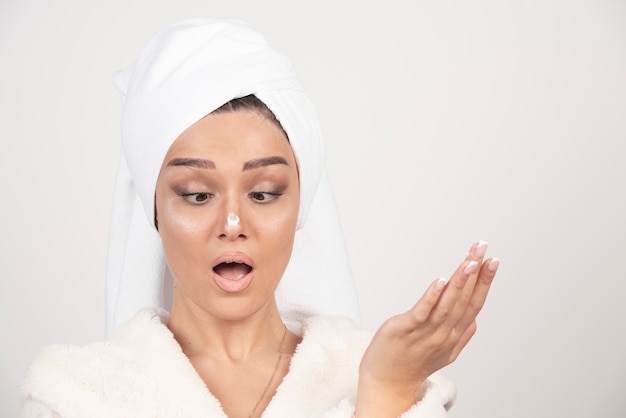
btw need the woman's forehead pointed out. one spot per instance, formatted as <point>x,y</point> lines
<point>240,135</point>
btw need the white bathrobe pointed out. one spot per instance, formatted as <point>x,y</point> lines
<point>141,371</point>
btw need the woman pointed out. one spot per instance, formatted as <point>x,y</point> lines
<point>223,151</point>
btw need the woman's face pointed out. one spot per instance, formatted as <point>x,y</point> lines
<point>235,163</point>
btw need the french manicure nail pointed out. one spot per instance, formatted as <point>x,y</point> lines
<point>493,265</point>
<point>441,283</point>
<point>471,267</point>
<point>481,249</point>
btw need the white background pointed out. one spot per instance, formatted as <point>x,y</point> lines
<point>445,121</point>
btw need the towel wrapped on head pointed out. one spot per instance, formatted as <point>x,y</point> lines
<point>184,73</point>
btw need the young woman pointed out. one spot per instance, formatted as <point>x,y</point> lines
<point>223,151</point>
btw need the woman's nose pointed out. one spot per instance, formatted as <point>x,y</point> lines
<point>232,220</point>
<point>232,223</point>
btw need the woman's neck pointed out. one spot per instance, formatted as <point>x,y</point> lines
<point>201,333</point>
<point>241,361</point>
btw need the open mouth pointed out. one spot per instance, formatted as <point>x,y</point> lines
<point>232,271</point>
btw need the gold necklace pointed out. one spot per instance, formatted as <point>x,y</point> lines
<point>269,382</point>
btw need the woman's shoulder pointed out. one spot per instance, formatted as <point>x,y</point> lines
<point>134,366</point>
<point>72,363</point>
<point>125,344</point>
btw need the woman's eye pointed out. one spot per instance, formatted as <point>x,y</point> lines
<point>263,197</point>
<point>196,198</point>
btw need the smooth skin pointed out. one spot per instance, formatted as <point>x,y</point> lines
<point>233,339</point>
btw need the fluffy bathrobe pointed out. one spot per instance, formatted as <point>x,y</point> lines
<point>141,371</point>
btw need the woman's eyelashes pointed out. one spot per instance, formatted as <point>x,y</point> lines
<point>196,198</point>
<point>264,197</point>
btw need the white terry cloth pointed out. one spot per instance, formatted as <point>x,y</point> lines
<point>184,73</point>
<point>140,371</point>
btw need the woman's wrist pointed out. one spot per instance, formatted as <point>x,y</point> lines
<point>379,400</point>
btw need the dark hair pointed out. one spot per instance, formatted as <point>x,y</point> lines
<point>249,103</point>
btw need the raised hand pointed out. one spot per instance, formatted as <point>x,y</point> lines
<point>409,347</point>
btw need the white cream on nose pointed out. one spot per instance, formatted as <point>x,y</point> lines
<point>232,220</point>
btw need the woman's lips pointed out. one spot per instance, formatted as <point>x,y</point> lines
<point>233,272</point>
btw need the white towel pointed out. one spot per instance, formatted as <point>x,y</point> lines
<point>184,73</point>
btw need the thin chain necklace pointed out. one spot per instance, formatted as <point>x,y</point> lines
<point>269,382</point>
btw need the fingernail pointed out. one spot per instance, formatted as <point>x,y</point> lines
<point>481,249</point>
<point>471,268</point>
<point>440,284</point>
<point>493,265</point>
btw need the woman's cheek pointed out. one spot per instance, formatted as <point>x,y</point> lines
<point>179,220</point>
<point>284,220</point>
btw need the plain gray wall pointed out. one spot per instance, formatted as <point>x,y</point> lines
<point>445,121</point>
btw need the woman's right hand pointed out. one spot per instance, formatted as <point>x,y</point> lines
<point>411,346</point>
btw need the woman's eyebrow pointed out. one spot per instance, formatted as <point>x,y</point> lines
<point>263,162</point>
<point>192,162</point>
